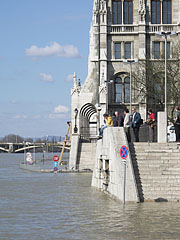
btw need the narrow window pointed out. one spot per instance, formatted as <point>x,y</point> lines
<point>127,50</point>
<point>167,12</point>
<point>128,12</point>
<point>117,11</point>
<point>156,50</point>
<point>155,12</point>
<point>118,90</point>
<point>168,49</point>
<point>117,50</point>
<point>127,90</point>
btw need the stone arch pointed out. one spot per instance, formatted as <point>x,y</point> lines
<point>88,121</point>
<point>88,110</point>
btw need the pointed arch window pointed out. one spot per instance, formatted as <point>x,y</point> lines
<point>122,88</point>
<point>118,90</point>
<point>127,89</point>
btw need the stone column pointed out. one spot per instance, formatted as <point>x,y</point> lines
<point>161,127</point>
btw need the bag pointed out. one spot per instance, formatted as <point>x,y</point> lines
<point>141,121</point>
<point>178,119</point>
<point>153,125</point>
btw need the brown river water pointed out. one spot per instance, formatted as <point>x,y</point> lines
<point>35,206</point>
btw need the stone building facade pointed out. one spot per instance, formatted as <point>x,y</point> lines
<point>121,30</point>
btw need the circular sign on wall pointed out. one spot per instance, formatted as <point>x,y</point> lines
<point>124,152</point>
<point>55,158</point>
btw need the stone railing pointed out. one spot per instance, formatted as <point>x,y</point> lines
<point>152,28</point>
<point>123,28</point>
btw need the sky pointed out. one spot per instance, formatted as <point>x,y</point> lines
<point>42,43</point>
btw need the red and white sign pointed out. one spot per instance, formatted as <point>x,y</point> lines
<point>124,152</point>
<point>55,158</point>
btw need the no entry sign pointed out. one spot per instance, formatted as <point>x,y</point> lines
<point>124,152</point>
<point>55,158</point>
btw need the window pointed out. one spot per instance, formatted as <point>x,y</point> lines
<point>168,49</point>
<point>122,89</point>
<point>156,50</point>
<point>122,50</point>
<point>124,16</point>
<point>128,12</point>
<point>117,50</point>
<point>117,12</point>
<point>161,8</point>
<point>127,89</point>
<point>167,11</point>
<point>127,50</point>
<point>118,90</point>
<point>156,12</point>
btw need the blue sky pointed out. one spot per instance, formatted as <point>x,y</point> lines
<point>42,43</point>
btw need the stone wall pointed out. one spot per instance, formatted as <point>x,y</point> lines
<point>109,170</point>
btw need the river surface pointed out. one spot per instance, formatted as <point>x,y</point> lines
<point>35,206</point>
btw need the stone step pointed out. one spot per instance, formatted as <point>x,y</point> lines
<point>88,145</point>
<point>86,155</point>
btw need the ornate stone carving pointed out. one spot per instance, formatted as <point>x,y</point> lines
<point>96,12</point>
<point>142,10</point>
<point>103,88</point>
<point>76,86</point>
<point>103,11</point>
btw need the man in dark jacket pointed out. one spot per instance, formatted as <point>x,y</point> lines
<point>135,124</point>
<point>118,120</point>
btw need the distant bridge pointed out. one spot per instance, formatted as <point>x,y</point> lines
<point>21,147</point>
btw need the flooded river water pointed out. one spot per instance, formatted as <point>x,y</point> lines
<point>37,206</point>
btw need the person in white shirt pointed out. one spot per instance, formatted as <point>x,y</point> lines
<point>127,123</point>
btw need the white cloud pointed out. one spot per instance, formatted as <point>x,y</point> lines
<point>20,117</point>
<point>13,101</point>
<point>55,116</point>
<point>61,109</point>
<point>54,49</point>
<point>46,77</point>
<point>69,78</point>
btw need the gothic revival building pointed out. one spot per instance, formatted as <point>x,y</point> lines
<point>121,31</point>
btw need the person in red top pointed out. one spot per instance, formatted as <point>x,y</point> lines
<point>152,123</point>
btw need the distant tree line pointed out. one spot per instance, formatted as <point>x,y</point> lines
<point>13,138</point>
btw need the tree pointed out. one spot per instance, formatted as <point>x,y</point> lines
<point>12,138</point>
<point>148,81</point>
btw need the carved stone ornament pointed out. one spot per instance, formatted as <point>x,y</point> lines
<point>103,88</point>
<point>142,10</point>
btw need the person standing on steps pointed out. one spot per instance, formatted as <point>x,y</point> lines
<point>177,123</point>
<point>135,123</point>
<point>152,124</point>
<point>118,119</point>
<point>127,122</point>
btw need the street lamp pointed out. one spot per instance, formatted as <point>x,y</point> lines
<point>75,115</point>
<point>165,35</point>
<point>107,93</point>
<point>130,61</point>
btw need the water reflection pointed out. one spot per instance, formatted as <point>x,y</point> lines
<point>64,206</point>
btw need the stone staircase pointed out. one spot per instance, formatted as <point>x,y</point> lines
<point>157,170</point>
<point>86,155</point>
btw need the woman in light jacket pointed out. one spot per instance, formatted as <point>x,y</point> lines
<point>127,121</point>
